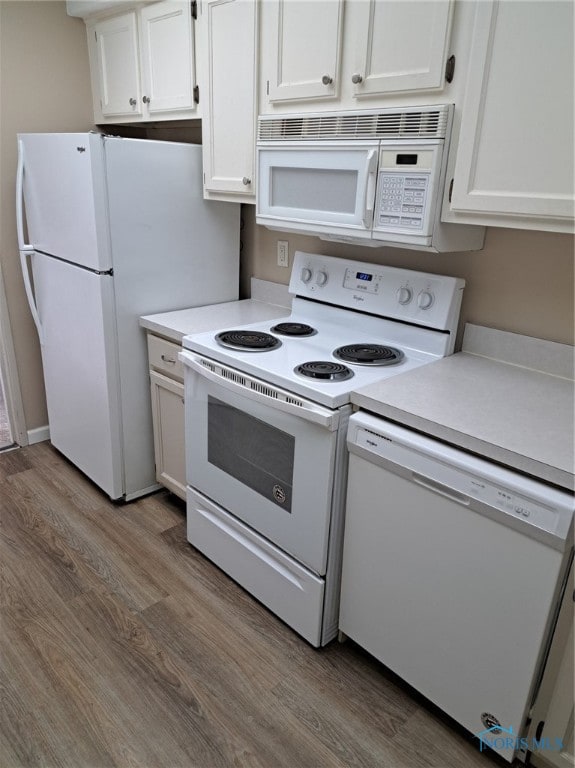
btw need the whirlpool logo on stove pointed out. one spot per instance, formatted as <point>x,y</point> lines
<point>495,736</point>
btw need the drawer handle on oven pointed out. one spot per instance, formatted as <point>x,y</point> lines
<point>170,360</point>
<point>306,409</point>
<point>440,488</point>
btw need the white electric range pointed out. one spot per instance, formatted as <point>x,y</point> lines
<point>267,407</point>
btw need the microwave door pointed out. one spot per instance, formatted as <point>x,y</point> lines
<point>318,188</point>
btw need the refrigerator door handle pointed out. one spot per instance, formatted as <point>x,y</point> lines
<point>22,246</point>
<point>25,248</point>
<point>29,292</point>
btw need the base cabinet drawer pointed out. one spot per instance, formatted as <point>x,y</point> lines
<point>169,441</point>
<point>163,357</point>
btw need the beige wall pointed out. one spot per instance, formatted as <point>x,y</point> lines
<point>521,281</point>
<point>44,86</point>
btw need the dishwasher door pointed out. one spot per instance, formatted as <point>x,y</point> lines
<point>452,572</point>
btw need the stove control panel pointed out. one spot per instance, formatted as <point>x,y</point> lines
<point>402,294</point>
<point>369,282</point>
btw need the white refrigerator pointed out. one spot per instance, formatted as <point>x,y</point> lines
<point>116,228</point>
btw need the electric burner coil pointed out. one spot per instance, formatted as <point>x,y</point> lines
<point>294,329</point>
<point>248,341</point>
<point>324,370</point>
<point>369,354</point>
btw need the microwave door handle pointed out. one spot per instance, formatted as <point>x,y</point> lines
<point>369,200</point>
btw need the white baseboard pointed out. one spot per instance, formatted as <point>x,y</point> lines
<point>38,435</point>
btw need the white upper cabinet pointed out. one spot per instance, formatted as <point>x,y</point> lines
<point>352,54</point>
<point>167,54</point>
<point>515,159</point>
<point>306,49</point>
<point>143,64</point>
<point>118,66</point>
<point>227,31</point>
<point>400,46</point>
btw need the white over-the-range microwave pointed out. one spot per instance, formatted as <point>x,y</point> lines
<point>374,177</point>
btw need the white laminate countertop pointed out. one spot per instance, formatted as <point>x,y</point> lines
<point>269,301</point>
<point>508,412</point>
<point>176,325</point>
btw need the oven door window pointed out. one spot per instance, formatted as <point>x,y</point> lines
<point>252,451</point>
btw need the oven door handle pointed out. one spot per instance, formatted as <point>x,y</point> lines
<point>255,389</point>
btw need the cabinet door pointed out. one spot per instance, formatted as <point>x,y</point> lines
<point>118,65</point>
<point>553,711</point>
<point>306,49</point>
<point>515,154</point>
<point>169,441</point>
<point>401,46</point>
<point>167,52</point>
<point>229,117</point>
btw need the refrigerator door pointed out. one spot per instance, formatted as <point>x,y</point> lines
<point>64,196</point>
<point>171,249</point>
<point>76,309</point>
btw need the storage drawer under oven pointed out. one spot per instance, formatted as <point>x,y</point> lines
<point>289,590</point>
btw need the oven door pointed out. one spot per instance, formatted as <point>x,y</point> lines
<point>264,455</point>
<point>321,187</point>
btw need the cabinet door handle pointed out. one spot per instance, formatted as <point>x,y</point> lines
<point>170,360</point>
<point>133,102</point>
<point>246,181</point>
<point>146,99</point>
<point>357,78</point>
<point>327,80</point>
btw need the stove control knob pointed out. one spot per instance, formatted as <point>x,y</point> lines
<point>425,300</point>
<point>404,295</point>
<point>306,274</point>
<point>321,278</point>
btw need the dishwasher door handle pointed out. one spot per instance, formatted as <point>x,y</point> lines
<point>440,488</point>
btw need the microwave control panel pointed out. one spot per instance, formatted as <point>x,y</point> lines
<point>402,200</point>
<point>406,188</point>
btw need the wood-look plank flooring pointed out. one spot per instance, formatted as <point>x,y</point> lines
<point>123,646</point>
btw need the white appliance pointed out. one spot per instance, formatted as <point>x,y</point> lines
<point>374,177</point>
<point>267,408</point>
<point>117,228</point>
<point>453,569</point>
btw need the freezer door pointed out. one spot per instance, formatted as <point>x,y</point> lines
<point>64,197</point>
<point>76,310</point>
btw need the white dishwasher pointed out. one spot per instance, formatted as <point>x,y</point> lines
<point>453,569</point>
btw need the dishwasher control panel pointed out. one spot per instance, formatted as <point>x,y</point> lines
<point>497,492</point>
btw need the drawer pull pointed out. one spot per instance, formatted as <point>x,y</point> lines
<point>170,360</point>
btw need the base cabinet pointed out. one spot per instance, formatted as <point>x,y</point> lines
<point>167,393</point>
<point>553,713</point>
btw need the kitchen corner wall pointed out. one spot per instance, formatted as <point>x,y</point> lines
<point>522,281</point>
<point>44,86</point>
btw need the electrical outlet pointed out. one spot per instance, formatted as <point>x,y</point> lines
<point>283,253</point>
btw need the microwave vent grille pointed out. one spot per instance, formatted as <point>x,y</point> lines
<point>424,123</point>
